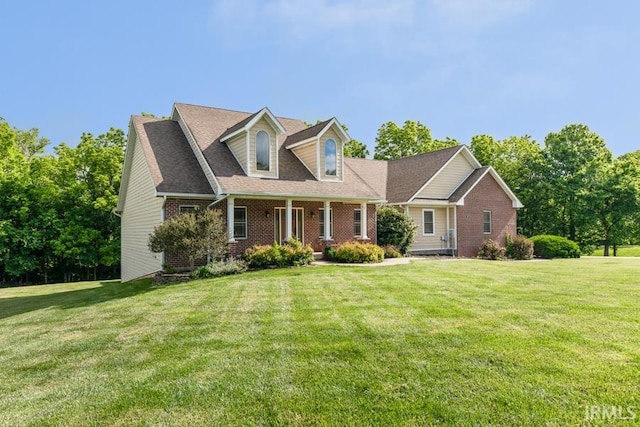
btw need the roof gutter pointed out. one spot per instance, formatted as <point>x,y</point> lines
<point>217,200</point>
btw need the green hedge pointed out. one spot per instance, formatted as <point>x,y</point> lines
<point>519,247</point>
<point>548,246</point>
<point>291,253</point>
<point>358,252</point>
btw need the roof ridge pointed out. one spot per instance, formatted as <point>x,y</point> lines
<point>234,111</point>
<point>440,150</point>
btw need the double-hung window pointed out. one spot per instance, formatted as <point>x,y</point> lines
<point>428,222</point>
<point>240,222</point>
<point>321,221</point>
<point>357,222</point>
<point>486,222</point>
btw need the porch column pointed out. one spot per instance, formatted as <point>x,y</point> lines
<point>289,214</point>
<point>327,220</point>
<point>455,227</point>
<point>230,218</point>
<point>363,220</point>
<point>448,227</point>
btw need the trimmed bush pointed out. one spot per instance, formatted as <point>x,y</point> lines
<point>358,252</point>
<point>330,253</point>
<point>391,251</point>
<point>492,250</point>
<point>395,228</point>
<point>219,269</point>
<point>549,246</point>
<point>292,253</point>
<point>519,247</point>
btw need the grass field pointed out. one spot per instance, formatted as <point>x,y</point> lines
<point>623,251</point>
<point>430,343</point>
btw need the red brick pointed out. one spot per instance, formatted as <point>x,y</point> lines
<point>487,195</point>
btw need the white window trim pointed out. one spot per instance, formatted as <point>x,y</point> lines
<point>190,207</point>
<point>354,223</point>
<point>335,146</point>
<point>246,223</point>
<point>321,220</point>
<point>258,171</point>
<point>490,222</point>
<point>433,216</point>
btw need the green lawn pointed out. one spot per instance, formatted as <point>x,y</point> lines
<point>623,251</point>
<point>430,343</point>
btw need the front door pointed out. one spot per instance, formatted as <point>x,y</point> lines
<point>297,224</point>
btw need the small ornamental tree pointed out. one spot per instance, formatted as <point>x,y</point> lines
<point>395,228</point>
<point>192,234</point>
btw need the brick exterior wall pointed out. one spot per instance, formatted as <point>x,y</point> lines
<point>487,195</point>
<point>171,209</point>
<point>261,223</point>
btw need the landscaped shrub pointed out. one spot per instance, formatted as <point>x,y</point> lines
<point>548,246</point>
<point>292,253</point>
<point>491,249</point>
<point>391,251</point>
<point>192,234</point>
<point>219,268</point>
<point>260,256</point>
<point>519,247</point>
<point>330,253</point>
<point>395,228</point>
<point>358,252</point>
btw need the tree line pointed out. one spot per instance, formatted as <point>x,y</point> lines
<point>572,186</point>
<point>56,208</point>
<point>56,221</point>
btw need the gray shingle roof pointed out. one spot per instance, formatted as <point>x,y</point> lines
<point>305,134</point>
<point>238,125</point>
<point>373,172</point>
<point>208,124</point>
<point>407,175</point>
<point>467,184</point>
<point>173,165</point>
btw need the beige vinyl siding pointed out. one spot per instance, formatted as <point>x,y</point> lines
<point>308,155</point>
<point>448,179</point>
<point>331,134</point>
<point>238,146</point>
<point>264,125</point>
<point>142,212</point>
<point>423,242</point>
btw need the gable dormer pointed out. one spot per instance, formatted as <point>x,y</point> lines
<point>254,143</point>
<point>321,149</point>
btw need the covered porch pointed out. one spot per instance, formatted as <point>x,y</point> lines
<point>318,222</point>
<point>437,232</point>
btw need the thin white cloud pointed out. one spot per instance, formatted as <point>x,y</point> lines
<point>479,13</point>
<point>293,22</point>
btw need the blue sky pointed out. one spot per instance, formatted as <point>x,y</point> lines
<point>461,67</point>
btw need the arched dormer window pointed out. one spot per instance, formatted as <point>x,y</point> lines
<point>262,151</point>
<point>330,160</point>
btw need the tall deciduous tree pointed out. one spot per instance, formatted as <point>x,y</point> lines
<point>518,160</point>
<point>355,148</point>
<point>575,160</point>
<point>394,142</point>
<point>619,193</point>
